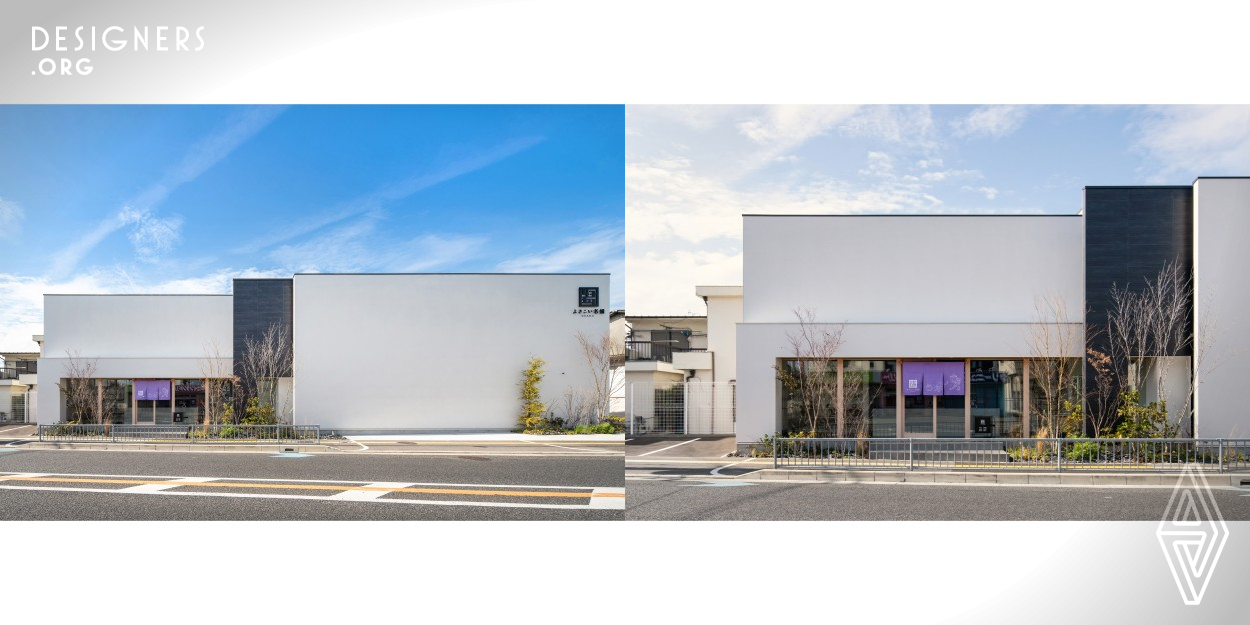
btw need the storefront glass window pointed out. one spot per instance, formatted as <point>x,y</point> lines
<point>997,391</point>
<point>809,382</point>
<point>870,398</point>
<point>188,402</point>
<point>116,395</point>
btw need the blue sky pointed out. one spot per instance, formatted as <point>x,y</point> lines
<point>692,171</point>
<point>182,199</point>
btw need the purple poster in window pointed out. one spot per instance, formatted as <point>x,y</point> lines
<point>149,390</point>
<point>913,378</point>
<point>952,377</point>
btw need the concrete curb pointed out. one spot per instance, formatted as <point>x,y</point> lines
<point>267,448</point>
<point>979,477</point>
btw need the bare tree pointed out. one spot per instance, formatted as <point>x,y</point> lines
<point>1101,399</point>
<point>579,407</point>
<point>858,398</point>
<point>1055,373</point>
<point>264,361</point>
<point>81,390</point>
<point>597,354</point>
<point>219,379</point>
<point>1147,329</point>
<point>813,375</point>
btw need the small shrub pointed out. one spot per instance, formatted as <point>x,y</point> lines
<point>1143,421</point>
<point>598,428</point>
<point>532,409</point>
<point>1030,453</point>
<point>764,447</point>
<point>1083,451</point>
<point>257,413</point>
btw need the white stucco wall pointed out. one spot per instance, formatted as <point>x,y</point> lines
<point>910,268</point>
<point>1221,296</point>
<point>905,286</point>
<point>132,336</point>
<point>423,352</point>
<point>724,313</point>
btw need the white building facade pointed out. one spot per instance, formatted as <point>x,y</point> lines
<point>905,290</point>
<point>369,352</point>
<point>939,315</point>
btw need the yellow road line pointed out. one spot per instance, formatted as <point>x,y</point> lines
<point>441,491</point>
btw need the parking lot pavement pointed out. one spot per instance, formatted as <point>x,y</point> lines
<point>656,447</point>
<point>13,432</point>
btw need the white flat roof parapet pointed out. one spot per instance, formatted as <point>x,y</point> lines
<point>718,291</point>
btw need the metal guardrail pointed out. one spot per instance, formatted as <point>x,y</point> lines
<point>96,433</point>
<point>646,350</point>
<point>1012,454</point>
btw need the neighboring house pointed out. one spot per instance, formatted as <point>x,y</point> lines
<point>370,352</point>
<point>662,352</point>
<point>665,348</point>
<point>941,312</point>
<point>18,385</point>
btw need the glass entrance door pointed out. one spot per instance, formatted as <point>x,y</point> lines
<point>152,402</point>
<point>918,416</point>
<point>934,399</point>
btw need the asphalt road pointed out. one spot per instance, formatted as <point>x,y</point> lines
<point>107,485</point>
<point>727,499</point>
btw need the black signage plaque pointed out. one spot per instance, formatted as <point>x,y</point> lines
<point>587,296</point>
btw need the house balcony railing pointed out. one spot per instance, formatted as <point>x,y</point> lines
<point>11,372</point>
<point>659,352</point>
<point>646,350</point>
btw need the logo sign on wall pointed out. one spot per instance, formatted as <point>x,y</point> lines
<point>588,297</point>
<point>588,302</point>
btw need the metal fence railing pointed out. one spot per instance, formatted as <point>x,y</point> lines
<point>1035,454</point>
<point>681,408</point>
<point>86,433</point>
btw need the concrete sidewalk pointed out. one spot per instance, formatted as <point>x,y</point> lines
<point>397,443</point>
<point>1016,478</point>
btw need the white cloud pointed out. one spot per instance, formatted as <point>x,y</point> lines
<point>910,125</point>
<point>418,181</point>
<point>939,176</point>
<point>434,251</point>
<point>152,235</point>
<point>990,121</point>
<point>667,200</point>
<point>584,253</point>
<point>662,282</point>
<point>1196,140</point>
<point>989,192</point>
<point>10,219</point>
<point>355,247</point>
<point>21,297</point>
<point>793,124</point>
